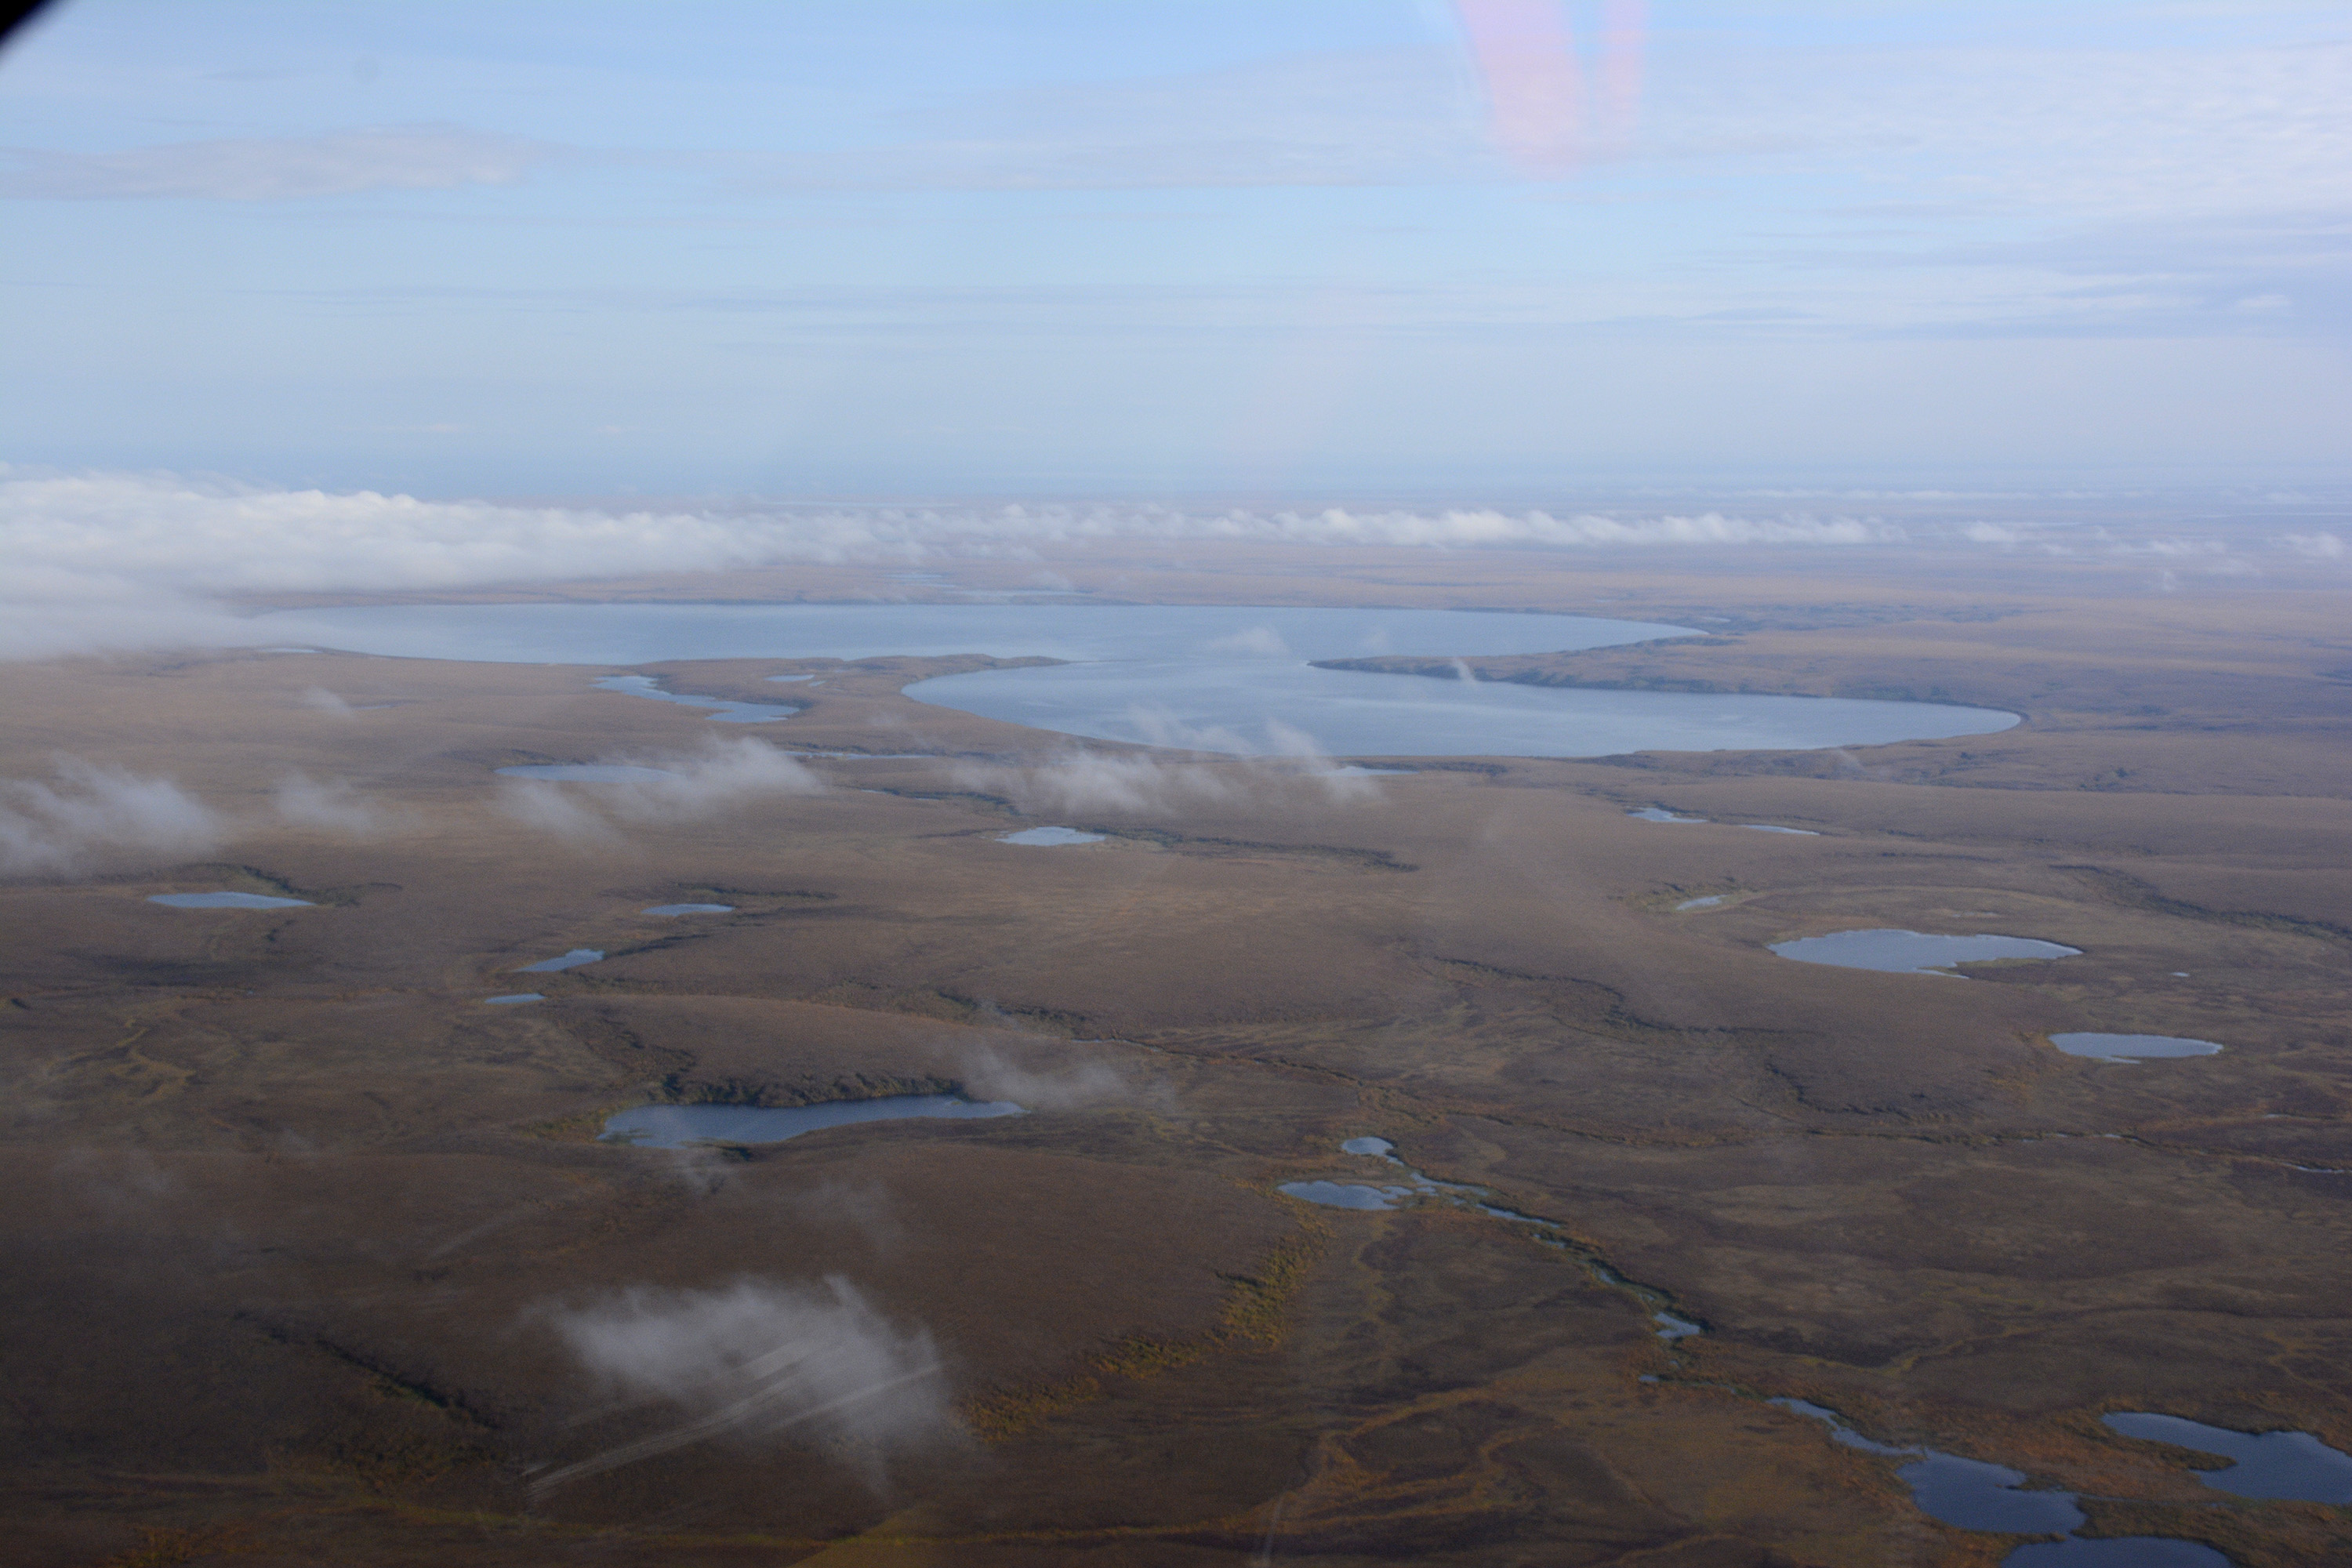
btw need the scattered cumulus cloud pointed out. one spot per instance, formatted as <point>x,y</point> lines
<point>755,1362</point>
<point>277,168</point>
<point>89,812</point>
<point>2326,546</point>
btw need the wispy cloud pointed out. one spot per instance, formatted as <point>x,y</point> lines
<point>277,168</point>
<point>720,776</point>
<point>114,559</point>
<point>334,806</point>
<point>91,811</point>
<point>755,1362</point>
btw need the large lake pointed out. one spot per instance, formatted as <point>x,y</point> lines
<point>1216,677</point>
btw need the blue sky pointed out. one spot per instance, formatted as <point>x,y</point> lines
<point>896,249</point>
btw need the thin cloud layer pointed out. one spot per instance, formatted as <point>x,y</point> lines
<point>279,168</point>
<point>111,559</point>
<point>758,1361</point>
<point>721,776</point>
<point>91,811</point>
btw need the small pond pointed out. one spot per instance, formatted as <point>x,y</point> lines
<point>725,711</point>
<point>2131,1047</point>
<point>2289,1465</point>
<point>1776,827</point>
<point>1049,836</point>
<point>572,960</point>
<point>1708,902</point>
<point>227,902</point>
<point>688,909</point>
<point>514,999</point>
<point>1914,952</point>
<point>1660,813</point>
<point>587,772</point>
<point>678,1126</point>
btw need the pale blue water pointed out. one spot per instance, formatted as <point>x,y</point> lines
<point>1775,827</point>
<point>1660,813</point>
<point>2131,1047</point>
<point>227,902</point>
<point>726,711</point>
<point>688,909</point>
<point>1211,678</point>
<point>587,772</point>
<point>675,1126</point>
<point>572,960</point>
<point>2294,1464</point>
<point>514,999</point>
<point>1049,835</point>
<point>1344,1194</point>
<point>1913,953</point>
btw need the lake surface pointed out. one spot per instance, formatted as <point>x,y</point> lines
<point>677,1126</point>
<point>227,902</point>
<point>587,772</point>
<point>2291,1464</point>
<point>2131,1047</point>
<point>724,709</point>
<point>514,999</point>
<point>1050,835</point>
<point>688,909</point>
<point>1211,678</point>
<point>572,960</point>
<point>1914,952</point>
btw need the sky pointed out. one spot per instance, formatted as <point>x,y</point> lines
<point>901,249</point>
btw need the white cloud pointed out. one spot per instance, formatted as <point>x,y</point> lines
<point>720,776</point>
<point>279,168</point>
<point>92,810</point>
<point>755,1361</point>
<point>334,807</point>
<point>111,559</point>
<point>2327,546</point>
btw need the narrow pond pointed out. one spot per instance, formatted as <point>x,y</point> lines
<point>226,900</point>
<point>724,709</point>
<point>2131,1047</point>
<point>678,1126</point>
<point>572,960</point>
<point>688,909</point>
<point>1213,677</point>
<point>1047,836</point>
<point>1914,952</point>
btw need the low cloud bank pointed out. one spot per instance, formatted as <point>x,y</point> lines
<point>1286,760</point>
<point>111,559</point>
<point>756,1361</point>
<point>722,775</point>
<point>91,811</point>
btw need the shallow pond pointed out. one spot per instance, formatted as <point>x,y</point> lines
<point>1914,952</point>
<point>724,709</point>
<point>1776,827</point>
<point>1050,835</point>
<point>688,909</point>
<point>227,902</point>
<point>587,772</point>
<point>1708,902</point>
<point>2291,1464</point>
<point>1344,1194</point>
<point>1660,813</point>
<point>572,960</point>
<point>677,1126</point>
<point>514,999</point>
<point>1215,677</point>
<point>2131,1047</point>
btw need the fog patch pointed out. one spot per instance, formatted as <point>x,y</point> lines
<point>1066,1086</point>
<point>1288,761</point>
<point>326,701</point>
<point>756,1363</point>
<point>91,810</point>
<point>717,777</point>
<point>332,806</point>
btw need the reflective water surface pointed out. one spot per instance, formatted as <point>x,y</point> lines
<point>227,902</point>
<point>675,1126</point>
<point>1914,952</point>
